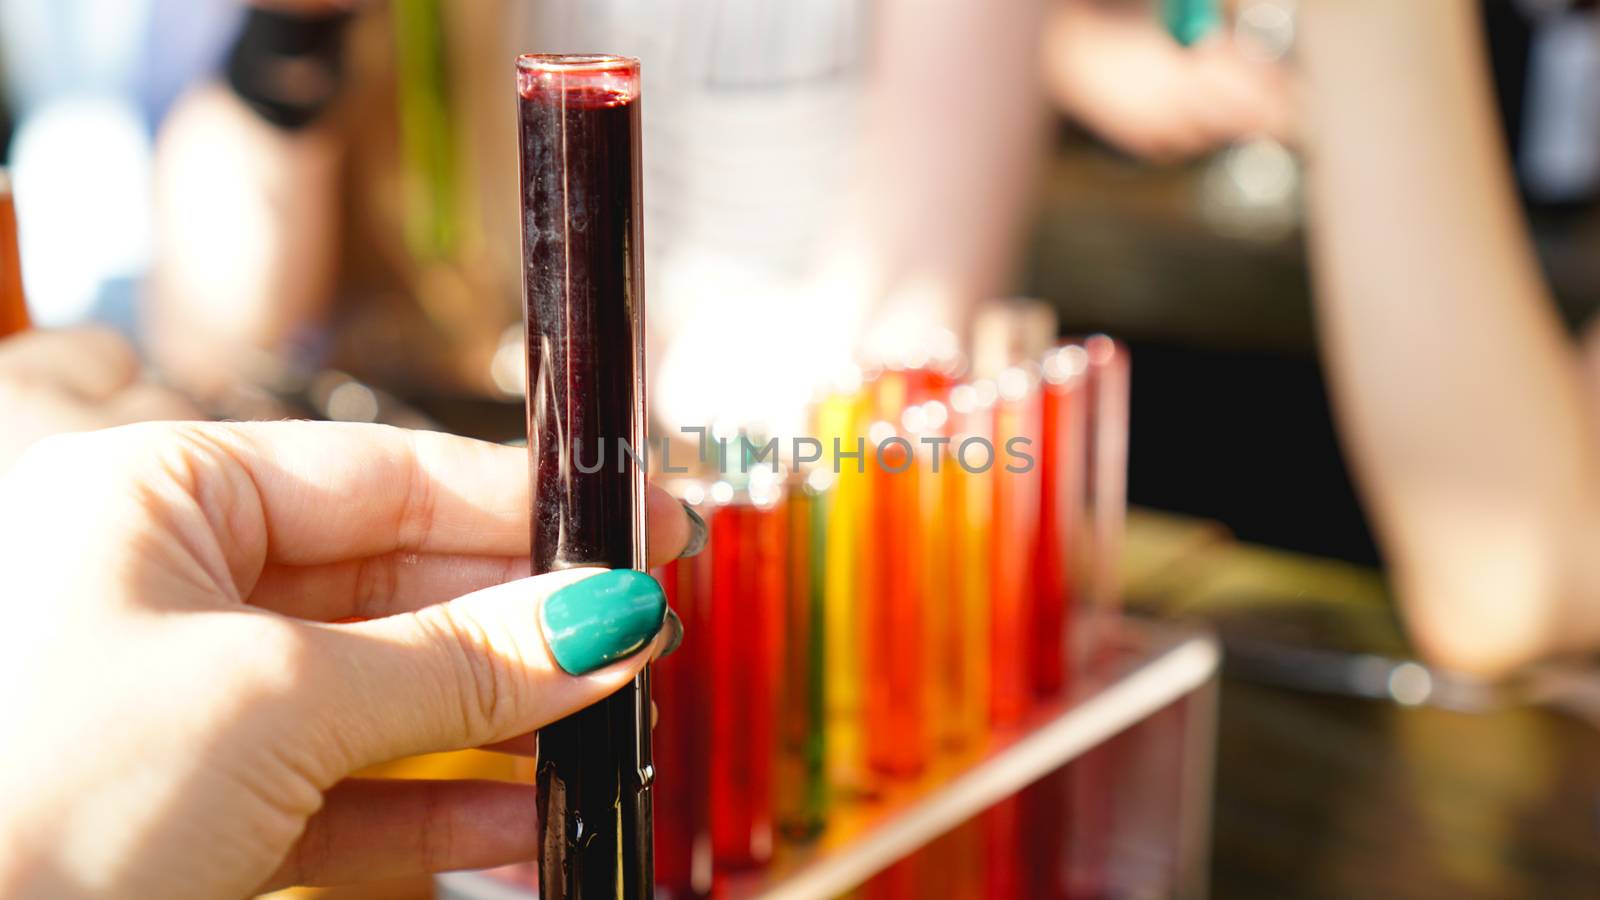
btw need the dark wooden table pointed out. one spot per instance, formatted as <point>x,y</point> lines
<point>1341,798</point>
<point>1323,796</point>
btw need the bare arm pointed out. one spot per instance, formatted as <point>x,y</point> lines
<point>1461,397</point>
<point>247,218</point>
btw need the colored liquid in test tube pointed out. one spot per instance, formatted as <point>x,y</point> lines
<point>802,789</point>
<point>582,248</point>
<point>841,421</point>
<point>1014,541</point>
<point>681,684</point>
<point>972,410</point>
<point>939,529</point>
<point>898,732</point>
<point>13,299</point>
<point>868,561</point>
<point>1059,556</point>
<point>934,522</point>
<point>748,584</point>
<point>1046,807</point>
<point>1012,510</point>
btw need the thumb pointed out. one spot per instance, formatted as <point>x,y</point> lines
<point>489,666</point>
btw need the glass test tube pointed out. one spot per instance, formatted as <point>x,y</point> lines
<point>1110,385</point>
<point>1015,534</point>
<point>841,418</point>
<point>926,422</point>
<point>681,684</point>
<point>972,408</point>
<point>582,293</point>
<point>868,563</point>
<point>1014,539</point>
<point>1058,557</point>
<point>1044,809</point>
<point>898,742</point>
<point>802,789</point>
<point>749,578</point>
<point>1090,792</point>
<point>13,299</point>
<point>939,526</point>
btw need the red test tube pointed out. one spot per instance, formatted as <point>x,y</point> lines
<point>1059,556</point>
<point>897,689</point>
<point>748,582</point>
<point>1015,540</point>
<point>681,684</point>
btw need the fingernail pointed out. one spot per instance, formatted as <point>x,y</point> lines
<point>603,619</point>
<point>699,534</point>
<point>674,630</point>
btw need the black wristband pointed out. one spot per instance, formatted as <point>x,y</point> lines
<point>288,67</point>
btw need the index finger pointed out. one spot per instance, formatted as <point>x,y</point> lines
<point>331,492</point>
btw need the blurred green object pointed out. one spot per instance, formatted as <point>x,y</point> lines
<point>427,131</point>
<point>1190,21</point>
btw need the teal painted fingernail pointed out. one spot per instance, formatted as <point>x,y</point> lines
<point>1190,21</point>
<point>603,619</point>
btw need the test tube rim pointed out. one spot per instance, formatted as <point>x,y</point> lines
<point>577,62</point>
<point>580,79</point>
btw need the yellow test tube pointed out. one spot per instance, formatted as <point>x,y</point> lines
<point>972,491</point>
<point>840,418</point>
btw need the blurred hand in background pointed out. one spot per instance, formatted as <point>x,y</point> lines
<point>53,382</point>
<point>1113,67</point>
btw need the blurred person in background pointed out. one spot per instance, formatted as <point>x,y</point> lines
<point>836,174</point>
<point>86,82</point>
<point>248,188</point>
<point>1484,506</point>
<point>851,196</point>
<point>330,177</point>
<point>1470,415</point>
<point>264,220</point>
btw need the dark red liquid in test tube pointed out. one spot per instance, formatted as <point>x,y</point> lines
<point>582,292</point>
<point>749,575</point>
